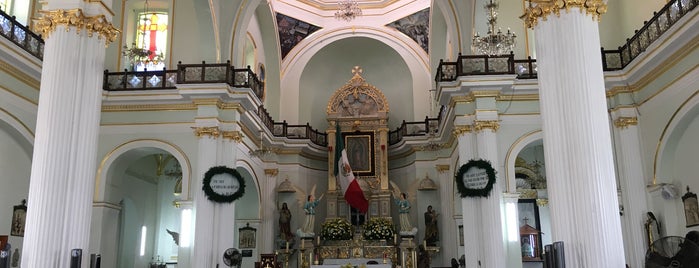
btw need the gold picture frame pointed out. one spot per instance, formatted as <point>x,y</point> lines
<point>360,152</point>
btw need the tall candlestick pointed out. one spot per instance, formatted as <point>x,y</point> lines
<point>287,245</point>
<point>303,242</point>
<point>318,240</point>
<point>395,239</point>
<point>424,244</point>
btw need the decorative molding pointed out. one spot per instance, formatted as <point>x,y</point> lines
<point>527,193</point>
<point>233,135</point>
<point>272,172</point>
<point>624,122</point>
<point>212,132</point>
<point>458,130</point>
<point>479,125</point>
<point>148,107</point>
<point>442,168</point>
<point>540,9</point>
<point>485,94</point>
<point>542,202</point>
<point>99,24</point>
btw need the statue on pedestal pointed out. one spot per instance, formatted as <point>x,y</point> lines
<point>406,229</point>
<point>431,229</point>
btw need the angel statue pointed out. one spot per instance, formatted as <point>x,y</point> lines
<point>406,229</point>
<point>310,203</point>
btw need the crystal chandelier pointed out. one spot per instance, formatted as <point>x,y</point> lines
<point>263,151</point>
<point>494,43</point>
<point>347,10</point>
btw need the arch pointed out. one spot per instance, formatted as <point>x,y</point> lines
<point>512,154</point>
<point>674,129</point>
<point>292,68</point>
<point>18,130</point>
<point>245,168</point>
<point>136,148</point>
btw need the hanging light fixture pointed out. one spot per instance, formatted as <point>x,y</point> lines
<point>494,43</point>
<point>347,10</point>
<point>263,151</point>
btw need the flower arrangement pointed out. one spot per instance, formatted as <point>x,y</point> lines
<point>378,228</point>
<point>336,229</point>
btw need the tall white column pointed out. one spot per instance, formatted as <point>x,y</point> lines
<point>633,192</point>
<point>491,206</point>
<point>469,206</point>
<point>511,230</point>
<point>65,146</point>
<point>269,208</point>
<point>577,139</point>
<point>449,242</point>
<point>224,213</point>
<point>205,224</point>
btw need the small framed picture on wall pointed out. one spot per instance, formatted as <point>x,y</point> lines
<point>19,216</point>
<point>691,208</point>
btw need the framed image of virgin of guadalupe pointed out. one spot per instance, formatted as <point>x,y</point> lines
<point>360,152</point>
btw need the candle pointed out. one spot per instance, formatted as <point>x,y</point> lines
<point>424,244</point>
<point>395,239</point>
<point>318,240</point>
<point>303,242</point>
<point>287,245</point>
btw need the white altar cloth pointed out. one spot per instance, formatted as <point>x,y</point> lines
<point>353,261</point>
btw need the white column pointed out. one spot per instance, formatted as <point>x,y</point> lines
<point>447,228</point>
<point>469,206</point>
<point>205,223</point>
<point>269,209</point>
<point>225,229</point>
<point>633,192</point>
<point>64,160</point>
<point>491,207</point>
<point>577,140</point>
<point>104,232</point>
<point>511,230</point>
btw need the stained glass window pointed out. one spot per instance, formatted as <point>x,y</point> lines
<point>152,37</point>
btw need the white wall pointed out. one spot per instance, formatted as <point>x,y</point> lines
<point>15,167</point>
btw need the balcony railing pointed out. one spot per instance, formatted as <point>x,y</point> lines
<point>414,129</point>
<point>21,35</point>
<point>485,65</point>
<point>204,73</point>
<point>282,129</point>
<point>662,21</point>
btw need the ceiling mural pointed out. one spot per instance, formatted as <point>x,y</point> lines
<point>416,26</point>
<point>292,31</point>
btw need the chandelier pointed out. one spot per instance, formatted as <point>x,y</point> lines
<point>347,10</point>
<point>494,43</point>
<point>263,151</point>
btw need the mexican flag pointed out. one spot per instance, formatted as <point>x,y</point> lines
<point>345,178</point>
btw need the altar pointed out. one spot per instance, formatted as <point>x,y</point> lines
<point>338,266</point>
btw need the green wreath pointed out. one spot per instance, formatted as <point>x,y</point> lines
<point>219,198</point>
<point>471,192</point>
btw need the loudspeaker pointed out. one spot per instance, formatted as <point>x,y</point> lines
<point>4,259</point>
<point>548,257</point>
<point>76,256</point>
<point>95,260</point>
<point>559,254</point>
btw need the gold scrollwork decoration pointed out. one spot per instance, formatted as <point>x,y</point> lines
<point>98,24</point>
<point>543,8</point>
<point>458,130</point>
<point>212,132</point>
<point>542,202</point>
<point>624,122</point>
<point>233,135</point>
<point>486,124</point>
<point>442,168</point>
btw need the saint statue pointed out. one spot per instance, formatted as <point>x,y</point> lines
<point>431,229</point>
<point>285,223</point>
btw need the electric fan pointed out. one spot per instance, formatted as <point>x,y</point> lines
<point>232,258</point>
<point>672,252</point>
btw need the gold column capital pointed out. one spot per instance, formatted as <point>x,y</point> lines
<point>272,172</point>
<point>479,125</point>
<point>442,168</point>
<point>212,132</point>
<point>461,129</point>
<point>542,202</point>
<point>540,9</point>
<point>233,135</point>
<point>99,24</point>
<point>624,122</point>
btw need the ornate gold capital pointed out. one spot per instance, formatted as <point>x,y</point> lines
<point>543,8</point>
<point>99,24</point>
<point>486,124</point>
<point>212,132</point>
<point>272,172</point>
<point>442,168</point>
<point>233,135</point>
<point>542,202</point>
<point>458,130</point>
<point>624,122</point>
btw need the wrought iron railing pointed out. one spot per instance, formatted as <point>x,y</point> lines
<point>485,65</point>
<point>283,129</point>
<point>662,21</point>
<point>21,35</point>
<point>413,129</point>
<point>204,73</point>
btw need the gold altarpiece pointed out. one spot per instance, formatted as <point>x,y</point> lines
<point>362,112</point>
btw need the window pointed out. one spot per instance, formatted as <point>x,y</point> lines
<point>19,9</point>
<point>149,47</point>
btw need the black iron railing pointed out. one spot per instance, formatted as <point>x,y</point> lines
<point>204,73</point>
<point>413,129</point>
<point>283,129</point>
<point>662,21</point>
<point>21,35</point>
<point>485,65</point>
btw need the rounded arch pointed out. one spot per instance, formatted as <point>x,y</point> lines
<point>512,154</point>
<point>293,66</point>
<point>249,174</point>
<point>115,161</point>
<point>17,129</point>
<point>669,140</point>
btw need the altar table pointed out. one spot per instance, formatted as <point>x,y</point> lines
<point>338,266</point>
